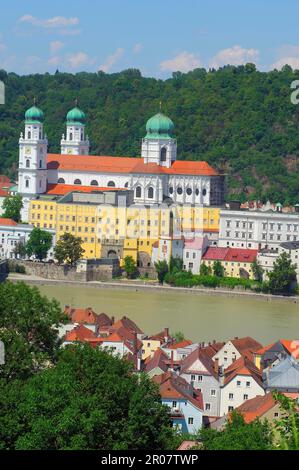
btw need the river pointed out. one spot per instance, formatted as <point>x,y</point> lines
<point>199,317</point>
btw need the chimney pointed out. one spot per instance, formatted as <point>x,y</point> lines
<point>221,376</point>
<point>112,320</point>
<point>166,334</point>
<point>214,341</point>
<point>216,366</point>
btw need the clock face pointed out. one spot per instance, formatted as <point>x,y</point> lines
<point>27,150</point>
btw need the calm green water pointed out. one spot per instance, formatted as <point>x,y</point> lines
<point>200,317</point>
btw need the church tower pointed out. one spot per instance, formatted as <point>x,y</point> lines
<point>33,146</point>
<point>159,146</point>
<point>74,143</point>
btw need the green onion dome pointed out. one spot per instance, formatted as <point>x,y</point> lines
<point>75,116</point>
<point>34,115</point>
<point>159,127</point>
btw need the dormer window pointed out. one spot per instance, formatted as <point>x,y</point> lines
<point>163,154</point>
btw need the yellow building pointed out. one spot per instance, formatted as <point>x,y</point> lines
<point>235,261</point>
<point>101,220</point>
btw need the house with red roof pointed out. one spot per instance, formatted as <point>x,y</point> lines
<point>240,382</point>
<point>237,262</point>
<point>235,348</point>
<point>200,371</point>
<point>280,349</point>
<point>185,403</point>
<point>88,317</point>
<point>78,333</point>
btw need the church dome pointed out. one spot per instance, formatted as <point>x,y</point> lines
<point>34,114</point>
<point>159,127</point>
<point>75,116</point>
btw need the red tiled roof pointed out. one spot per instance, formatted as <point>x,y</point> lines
<point>204,357</point>
<point>230,254</point>
<point>81,315</point>
<point>105,164</point>
<point>246,344</point>
<point>79,333</point>
<point>290,345</point>
<point>125,322</point>
<point>7,222</point>
<point>242,366</point>
<point>4,180</point>
<point>173,386</point>
<point>3,193</point>
<point>256,407</point>
<point>181,344</point>
<point>60,189</point>
<point>159,359</point>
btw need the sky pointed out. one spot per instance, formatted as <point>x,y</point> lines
<point>156,36</point>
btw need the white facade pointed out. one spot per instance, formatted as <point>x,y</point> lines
<point>267,258</point>
<point>257,229</point>
<point>193,252</point>
<point>227,355</point>
<point>160,151</point>
<point>11,235</point>
<point>241,388</point>
<point>74,143</point>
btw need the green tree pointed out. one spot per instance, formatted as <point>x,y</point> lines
<point>218,269</point>
<point>12,206</point>
<point>162,270</point>
<point>68,249</point>
<point>89,400</point>
<point>288,425</point>
<point>205,270</point>
<point>237,435</point>
<point>178,336</point>
<point>20,250</point>
<point>282,280</point>
<point>175,264</point>
<point>130,267</point>
<point>28,328</point>
<point>257,270</point>
<point>39,243</point>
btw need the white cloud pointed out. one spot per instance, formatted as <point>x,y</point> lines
<point>235,55</point>
<point>55,46</point>
<point>111,60</point>
<point>287,54</point>
<point>78,60</point>
<point>137,48</point>
<point>183,62</point>
<point>292,61</point>
<point>54,61</point>
<point>55,22</point>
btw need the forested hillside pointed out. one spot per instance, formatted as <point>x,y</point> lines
<point>237,118</point>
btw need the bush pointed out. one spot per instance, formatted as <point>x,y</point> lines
<point>14,267</point>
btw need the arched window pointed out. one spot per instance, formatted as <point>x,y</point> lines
<point>40,163</point>
<point>197,192</point>
<point>111,184</point>
<point>94,183</point>
<point>27,163</point>
<point>170,190</point>
<point>71,136</point>
<point>127,184</point>
<point>77,181</point>
<point>163,154</point>
<point>27,183</point>
<point>61,181</point>
<point>82,136</point>
<point>150,192</point>
<point>29,134</point>
<point>138,191</point>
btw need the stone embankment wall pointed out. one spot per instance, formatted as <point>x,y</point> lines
<point>3,269</point>
<point>99,272</point>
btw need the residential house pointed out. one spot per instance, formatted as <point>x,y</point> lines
<point>192,253</point>
<point>235,348</point>
<point>240,382</point>
<point>176,349</point>
<point>157,364</point>
<point>151,343</point>
<point>280,349</point>
<point>200,371</point>
<point>185,403</point>
<point>282,376</point>
<point>236,262</point>
<point>87,317</point>
<point>78,333</point>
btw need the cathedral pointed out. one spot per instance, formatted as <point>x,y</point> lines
<point>155,177</point>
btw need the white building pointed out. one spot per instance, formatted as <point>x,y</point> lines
<point>12,233</point>
<point>155,176</point>
<point>267,258</point>
<point>257,229</point>
<point>192,253</point>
